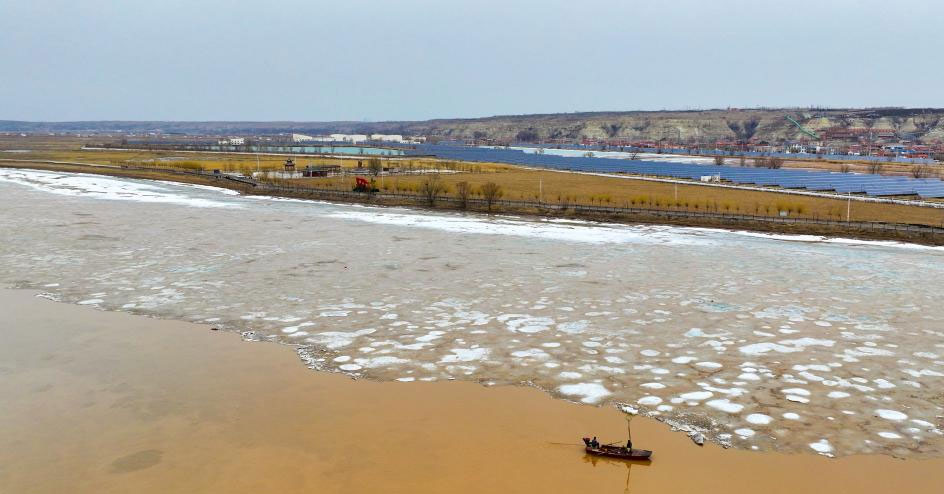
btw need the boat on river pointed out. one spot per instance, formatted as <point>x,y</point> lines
<point>612,451</point>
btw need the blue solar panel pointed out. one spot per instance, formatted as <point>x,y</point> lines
<point>874,185</point>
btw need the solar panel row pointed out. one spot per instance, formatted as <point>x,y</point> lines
<point>872,185</point>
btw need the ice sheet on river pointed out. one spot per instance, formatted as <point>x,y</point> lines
<point>819,347</point>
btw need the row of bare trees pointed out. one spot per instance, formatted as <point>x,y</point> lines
<point>433,187</point>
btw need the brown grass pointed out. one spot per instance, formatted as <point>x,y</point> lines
<point>570,188</point>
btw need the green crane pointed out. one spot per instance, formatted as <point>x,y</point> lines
<point>810,133</point>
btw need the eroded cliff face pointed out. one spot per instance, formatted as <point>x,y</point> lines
<point>924,124</point>
<point>769,125</point>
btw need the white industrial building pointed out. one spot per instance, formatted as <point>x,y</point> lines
<point>387,137</point>
<point>232,141</point>
<point>352,138</point>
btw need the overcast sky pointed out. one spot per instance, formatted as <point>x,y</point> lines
<point>416,59</point>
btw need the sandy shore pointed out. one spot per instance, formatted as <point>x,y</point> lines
<point>109,402</point>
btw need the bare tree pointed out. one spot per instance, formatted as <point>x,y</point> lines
<point>463,190</point>
<point>742,161</point>
<point>875,168</point>
<point>375,166</point>
<point>491,192</point>
<point>845,168</point>
<point>921,171</point>
<point>432,187</point>
<point>774,163</point>
<point>719,160</point>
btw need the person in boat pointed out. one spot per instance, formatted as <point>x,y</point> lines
<point>594,443</point>
<point>629,445</point>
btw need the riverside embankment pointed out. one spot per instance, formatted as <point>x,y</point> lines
<point>922,234</point>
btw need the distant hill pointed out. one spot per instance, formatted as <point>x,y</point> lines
<point>924,124</point>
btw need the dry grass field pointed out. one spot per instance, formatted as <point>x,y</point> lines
<point>571,188</point>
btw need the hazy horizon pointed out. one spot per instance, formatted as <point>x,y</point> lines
<point>418,60</point>
<point>665,110</point>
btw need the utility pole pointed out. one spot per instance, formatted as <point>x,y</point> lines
<point>849,208</point>
<point>676,192</point>
<point>541,190</point>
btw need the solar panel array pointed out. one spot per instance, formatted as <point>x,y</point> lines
<point>756,154</point>
<point>820,181</point>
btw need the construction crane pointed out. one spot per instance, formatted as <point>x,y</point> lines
<point>810,133</point>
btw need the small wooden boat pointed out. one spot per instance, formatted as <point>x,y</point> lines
<point>620,452</point>
<point>611,451</point>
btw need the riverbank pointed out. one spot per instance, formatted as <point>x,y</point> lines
<point>868,231</point>
<point>110,402</point>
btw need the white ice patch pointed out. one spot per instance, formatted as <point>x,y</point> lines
<point>759,419</point>
<point>785,346</point>
<point>573,327</point>
<point>696,395</point>
<point>524,323</point>
<point>652,385</point>
<point>709,366</point>
<point>725,405</point>
<point>567,231</point>
<point>384,361</point>
<point>108,188</point>
<point>465,355</point>
<point>531,353</point>
<point>822,446</point>
<point>744,432</point>
<point>649,400</point>
<point>590,392</point>
<point>338,339</point>
<point>893,415</point>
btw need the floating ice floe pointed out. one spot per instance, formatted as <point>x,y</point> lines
<point>589,392</point>
<point>893,415</point>
<point>649,400</point>
<point>696,395</point>
<point>725,405</point>
<point>531,353</point>
<point>744,432</point>
<point>758,419</point>
<point>652,385</point>
<point>465,355</point>
<point>710,366</point>
<point>822,447</point>
<point>524,323</point>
